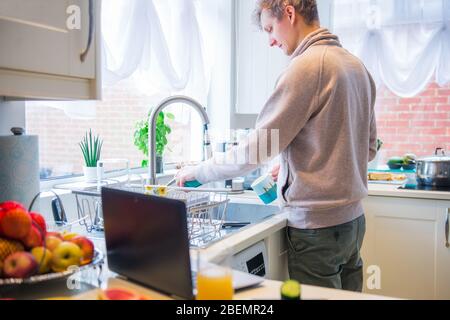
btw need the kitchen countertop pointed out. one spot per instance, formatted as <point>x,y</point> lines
<point>375,189</point>
<point>268,290</point>
<point>380,189</point>
<point>390,190</point>
<point>90,287</point>
<point>239,240</point>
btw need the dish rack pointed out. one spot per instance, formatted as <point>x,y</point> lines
<point>206,208</point>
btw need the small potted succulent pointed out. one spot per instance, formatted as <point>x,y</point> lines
<point>141,138</point>
<point>91,147</point>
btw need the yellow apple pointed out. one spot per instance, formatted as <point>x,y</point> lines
<point>43,257</point>
<point>68,235</point>
<point>65,255</point>
<point>51,242</point>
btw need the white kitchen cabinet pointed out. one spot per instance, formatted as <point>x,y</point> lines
<point>277,249</point>
<point>40,53</point>
<point>443,250</point>
<point>405,239</point>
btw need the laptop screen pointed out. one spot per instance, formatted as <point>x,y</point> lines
<point>147,240</point>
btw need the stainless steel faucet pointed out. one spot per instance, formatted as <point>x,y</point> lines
<point>152,131</point>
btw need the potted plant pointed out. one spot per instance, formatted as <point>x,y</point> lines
<point>91,147</point>
<point>141,138</point>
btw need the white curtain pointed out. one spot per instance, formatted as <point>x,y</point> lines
<point>159,43</point>
<point>403,43</point>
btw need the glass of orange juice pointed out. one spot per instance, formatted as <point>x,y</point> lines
<point>214,275</point>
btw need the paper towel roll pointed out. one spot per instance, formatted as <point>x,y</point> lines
<point>19,168</point>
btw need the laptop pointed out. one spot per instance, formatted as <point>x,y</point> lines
<point>147,242</point>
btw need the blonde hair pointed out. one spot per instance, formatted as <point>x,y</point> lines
<point>306,8</point>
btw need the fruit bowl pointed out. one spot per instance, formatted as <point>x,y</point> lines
<point>97,260</point>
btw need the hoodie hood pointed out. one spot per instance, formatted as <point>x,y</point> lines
<point>319,37</point>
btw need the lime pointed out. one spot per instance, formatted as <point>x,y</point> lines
<point>290,290</point>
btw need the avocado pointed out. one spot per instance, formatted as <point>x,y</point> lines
<point>395,160</point>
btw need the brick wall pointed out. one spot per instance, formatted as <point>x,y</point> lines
<point>417,125</point>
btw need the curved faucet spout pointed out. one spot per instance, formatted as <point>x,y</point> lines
<point>152,129</point>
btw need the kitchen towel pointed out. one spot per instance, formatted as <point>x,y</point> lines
<point>19,168</point>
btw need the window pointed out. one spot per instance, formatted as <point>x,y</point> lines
<point>114,119</point>
<point>405,46</point>
<point>151,50</point>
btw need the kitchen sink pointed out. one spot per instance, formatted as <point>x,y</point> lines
<point>238,216</point>
<point>247,212</point>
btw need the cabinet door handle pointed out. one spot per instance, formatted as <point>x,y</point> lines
<point>447,222</point>
<point>91,31</point>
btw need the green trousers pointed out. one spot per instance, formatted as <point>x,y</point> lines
<point>328,257</point>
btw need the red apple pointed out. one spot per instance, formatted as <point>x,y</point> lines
<point>33,239</point>
<point>15,223</point>
<point>86,246</point>
<point>54,234</point>
<point>20,265</point>
<point>39,221</point>
<point>52,241</point>
<point>2,213</point>
<point>10,205</point>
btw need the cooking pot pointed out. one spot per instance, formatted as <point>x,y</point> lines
<point>435,170</point>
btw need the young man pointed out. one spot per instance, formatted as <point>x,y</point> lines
<point>323,109</point>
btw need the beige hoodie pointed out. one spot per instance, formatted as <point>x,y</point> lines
<point>323,107</point>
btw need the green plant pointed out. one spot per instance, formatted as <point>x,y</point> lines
<point>91,146</point>
<point>162,130</point>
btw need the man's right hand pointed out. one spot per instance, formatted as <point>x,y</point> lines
<point>186,173</point>
<point>275,170</point>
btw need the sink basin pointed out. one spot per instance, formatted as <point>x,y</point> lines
<point>238,215</point>
<point>247,212</point>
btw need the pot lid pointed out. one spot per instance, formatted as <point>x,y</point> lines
<point>438,157</point>
<point>435,159</point>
